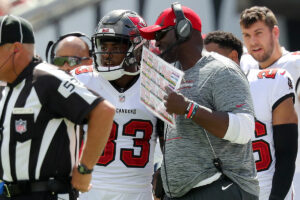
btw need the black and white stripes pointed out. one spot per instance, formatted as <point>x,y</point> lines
<point>39,112</point>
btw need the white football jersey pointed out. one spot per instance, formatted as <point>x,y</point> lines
<point>126,164</point>
<point>248,62</point>
<point>269,87</point>
<point>291,62</point>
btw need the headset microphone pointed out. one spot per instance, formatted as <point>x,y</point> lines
<point>183,27</point>
<point>170,47</point>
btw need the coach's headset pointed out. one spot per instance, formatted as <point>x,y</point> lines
<point>52,45</point>
<point>183,26</point>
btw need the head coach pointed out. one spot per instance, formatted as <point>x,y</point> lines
<point>214,116</point>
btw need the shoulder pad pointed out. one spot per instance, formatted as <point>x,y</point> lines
<point>84,69</point>
<point>295,53</point>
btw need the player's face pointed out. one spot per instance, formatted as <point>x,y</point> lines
<point>112,53</point>
<point>259,40</point>
<point>164,39</point>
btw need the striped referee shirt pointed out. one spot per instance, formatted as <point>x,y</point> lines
<point>39,111</point>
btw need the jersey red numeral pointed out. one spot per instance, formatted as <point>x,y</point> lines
<point>262,148</point>
<point>109,152</point>
<point>296,53</point>
<point>127,155</point>
<point>267,73</point>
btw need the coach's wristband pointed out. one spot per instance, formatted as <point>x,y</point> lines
<point>189,110</point>
<point>196,106</point>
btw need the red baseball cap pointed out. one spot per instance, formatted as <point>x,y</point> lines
<point>167,18</point>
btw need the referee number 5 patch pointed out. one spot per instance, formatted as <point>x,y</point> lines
<point>67,87</point>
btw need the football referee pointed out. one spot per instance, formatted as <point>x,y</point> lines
<point>38,112</point>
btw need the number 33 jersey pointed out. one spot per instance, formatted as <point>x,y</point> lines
<point>126,164</point>
<point>269,87</point>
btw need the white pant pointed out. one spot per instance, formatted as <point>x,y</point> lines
<point>96,194</point>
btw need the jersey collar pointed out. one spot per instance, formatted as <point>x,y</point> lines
<point>28,70</point>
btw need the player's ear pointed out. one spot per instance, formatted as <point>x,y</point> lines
<point>276,31</point>
<point>233,55</point>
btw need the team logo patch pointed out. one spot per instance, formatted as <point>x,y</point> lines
<point>106,30</point>
<point>21,126</point>
<point>121,97</point>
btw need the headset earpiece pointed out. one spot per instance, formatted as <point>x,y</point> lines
<point>183,26</point>
<point>52,45</point>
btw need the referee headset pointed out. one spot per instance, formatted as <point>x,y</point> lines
<point>52,45</point>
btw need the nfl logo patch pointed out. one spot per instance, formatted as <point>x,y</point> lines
<point>21,126</point>
<point>121,98</point>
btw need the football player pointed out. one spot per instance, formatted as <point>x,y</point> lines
<point>274,141</point>
<point>124,170</point>
<point>261,37</point>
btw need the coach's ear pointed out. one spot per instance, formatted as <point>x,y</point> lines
<point>233,55</point>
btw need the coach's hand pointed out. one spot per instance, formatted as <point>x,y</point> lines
<point>175,102</point>
<point>81,182</point>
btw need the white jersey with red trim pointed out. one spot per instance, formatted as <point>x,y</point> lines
<point>291,62</point>
<point>126,164</point>
<point>248,62</point>
<point>269,87</point>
